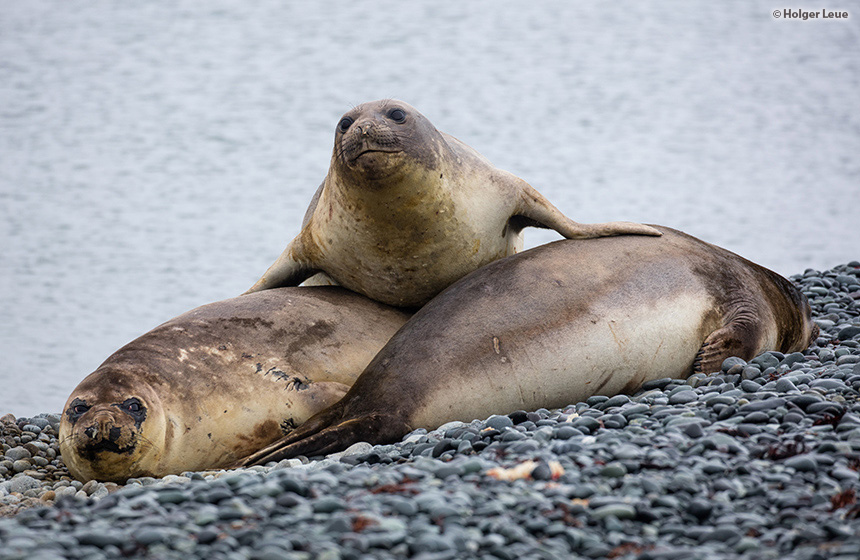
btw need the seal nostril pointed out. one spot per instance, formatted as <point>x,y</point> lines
<point>90,432</point>
<point>114,434</point>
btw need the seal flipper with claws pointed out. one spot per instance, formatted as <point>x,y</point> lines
<point>406,210</point>
<point>556,324</point>
<point>326,432</point>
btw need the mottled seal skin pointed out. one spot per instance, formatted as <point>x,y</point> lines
<point>556,324</point>
<point>221,381</point>
<point>405,210</point>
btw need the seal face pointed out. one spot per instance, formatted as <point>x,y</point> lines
<point>556,324</point>
<point>405,210</point>
<point>220,381</point>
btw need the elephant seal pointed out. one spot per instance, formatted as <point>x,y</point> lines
<point>556,324</point>
<point>405,210</point>
<point>220,381</point>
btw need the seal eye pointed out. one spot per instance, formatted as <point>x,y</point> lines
<point>397,115</point>
<point>345,123</point>
<point>76,409</point>
<point>134,408</point>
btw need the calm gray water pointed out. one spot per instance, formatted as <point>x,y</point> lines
<point>154,158</point>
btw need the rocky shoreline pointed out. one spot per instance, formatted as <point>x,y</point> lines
<point>759,460</point>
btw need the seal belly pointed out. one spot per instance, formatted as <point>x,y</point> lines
<point>564,363</point>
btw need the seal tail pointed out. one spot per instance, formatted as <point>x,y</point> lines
<point>328,432</point>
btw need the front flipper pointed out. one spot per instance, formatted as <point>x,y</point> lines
<point>328,432</point>
<point>738,338</point>
<point>288,270</point>
<point>535,210</point>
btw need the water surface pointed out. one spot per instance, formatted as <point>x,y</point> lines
<point>156,157</point>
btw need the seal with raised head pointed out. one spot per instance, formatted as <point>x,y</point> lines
<point>220,381</point>
<point>556,324</point>
<point>405,210</point>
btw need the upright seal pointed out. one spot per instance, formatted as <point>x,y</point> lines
<point>406,210</point>
<point>556,324</point>
<point>219,382</point>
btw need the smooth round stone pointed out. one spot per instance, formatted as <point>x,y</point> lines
<point>714,399</point>
<point>17,453</point>
<point>617,400</point>
<point>639,408</point>
<point>614,421</point>
<point>693,430</point>
<point>848,333</point>
<point>628,452</point>
<point>793,358</point>
<point>171,496</point>
<point>700,508</point>
<point>152,535</point>
<point>586,422</point>
<point>750,386</point>
<point>21,465</point>
<point>804,400</point>
<point>802,463</point>
<point>657,383</point>
<point>566,432</point>
<point>842,473</point>
<point>713,467</point>
<point>328,504</point>
<point>731,362</point>
<point>683,397</point>
<point>100,539</point>
<point>431,543</point>
<point>726,535</point>
<point>613,470</point>
<point>766,360</point>
<point>824,406</point>
<point>827,384</point>
<point>512,435</point>
<point>618,510</point>
<point>764,404</point>
<point>758,417</point>
<point>499,423</point>
<point>21,484</point>
<point>784,385</point>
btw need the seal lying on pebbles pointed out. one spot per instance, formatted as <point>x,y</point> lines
<point>218,382</point>
<point>406,210</point>
<point>555,325</point>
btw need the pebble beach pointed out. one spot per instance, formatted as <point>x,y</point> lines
<point>760,460</point>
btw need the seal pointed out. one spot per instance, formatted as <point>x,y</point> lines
<point>220,381</point>
<point>556,324</point>
<point>405,210</point>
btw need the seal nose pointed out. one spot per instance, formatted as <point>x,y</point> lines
<point>102,428</point>
<point>365,127</point>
